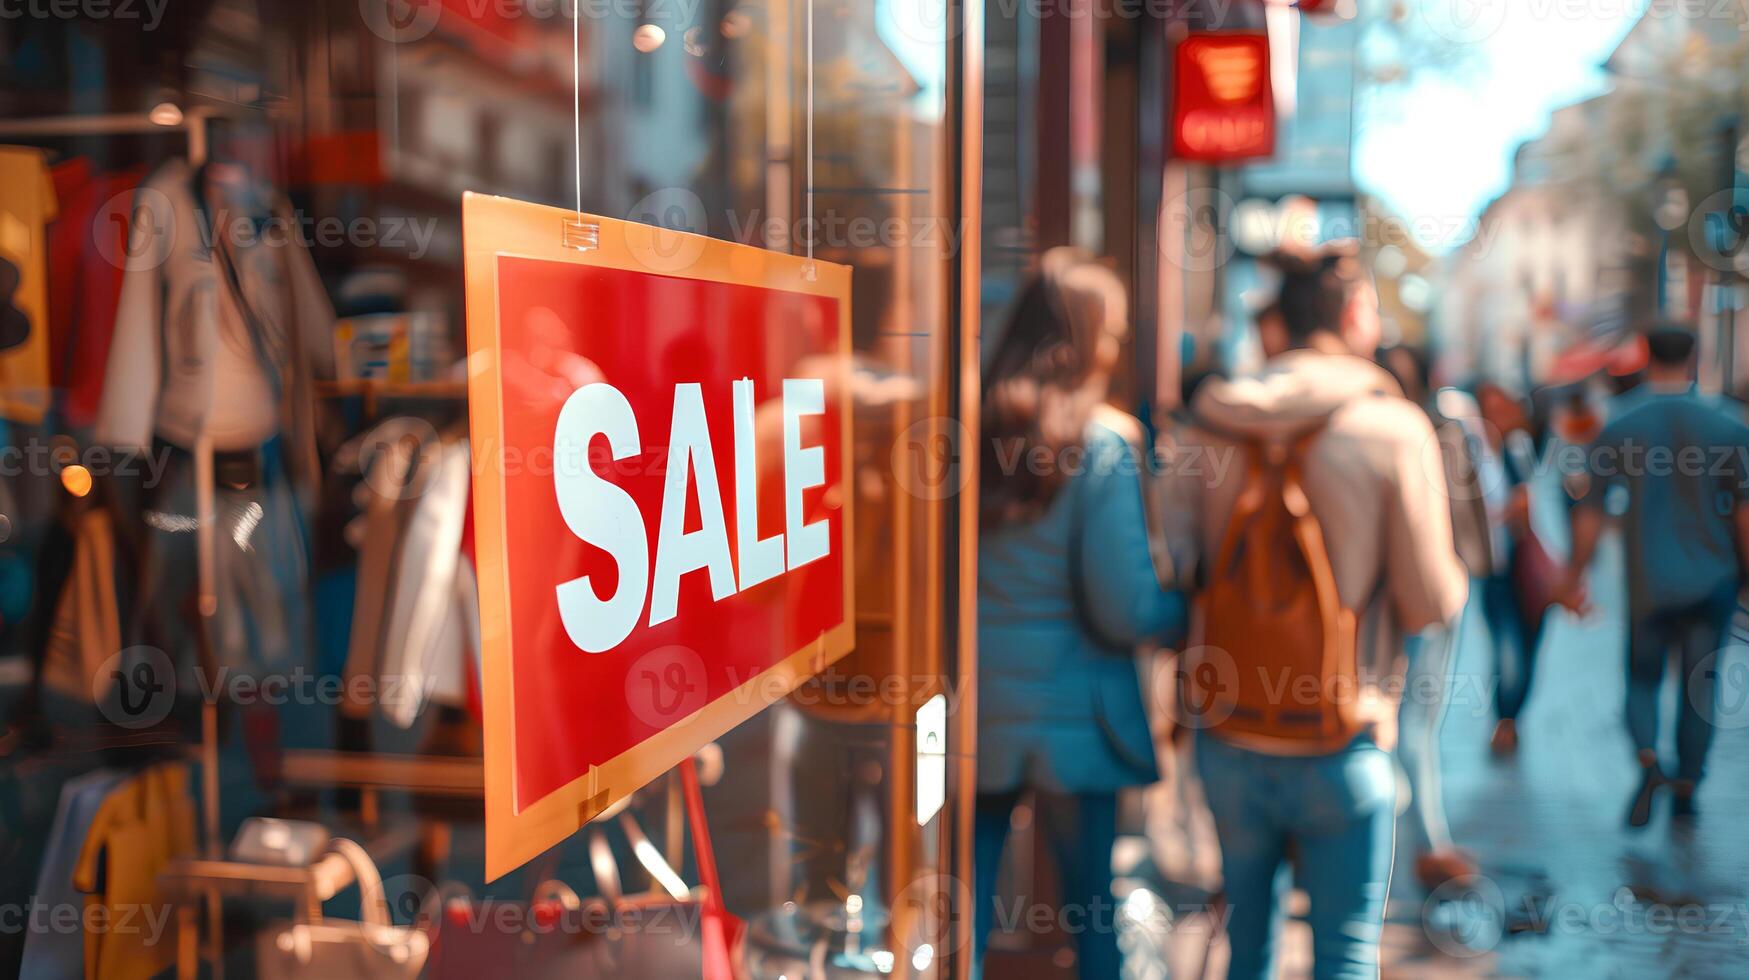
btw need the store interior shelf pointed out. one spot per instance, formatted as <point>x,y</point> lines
<point>430,775</point>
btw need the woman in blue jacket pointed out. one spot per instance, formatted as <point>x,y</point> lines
<point>1066,590</point>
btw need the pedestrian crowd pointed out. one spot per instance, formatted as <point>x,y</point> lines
<point>1367,515</point>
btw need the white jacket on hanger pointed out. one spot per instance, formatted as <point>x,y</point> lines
<point>182,363</point>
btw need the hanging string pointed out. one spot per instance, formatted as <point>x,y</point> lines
<point>577,97</point>
<point>808,139</point>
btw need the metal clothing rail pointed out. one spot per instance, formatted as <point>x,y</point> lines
<point>192,122</point>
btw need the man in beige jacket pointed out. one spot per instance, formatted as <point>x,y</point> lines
<point>1374,481</point>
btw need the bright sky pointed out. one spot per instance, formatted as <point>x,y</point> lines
<point>1441,148</point>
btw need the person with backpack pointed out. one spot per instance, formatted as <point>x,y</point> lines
<point>1679,456</point>
<point>1066,591</point>
<point>1333,511</point>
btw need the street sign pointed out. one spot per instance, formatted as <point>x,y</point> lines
<point>661,443</point>
<point>1223,106</point>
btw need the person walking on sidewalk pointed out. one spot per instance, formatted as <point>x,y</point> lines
<point>1683,532</point>
<point>1506,464</point>
<point>1066,590</point>
<point>1335,500</point>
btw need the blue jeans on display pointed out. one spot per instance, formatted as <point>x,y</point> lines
<point>1695,633</point>
<point>1514,642</point>
<point>1081,829</point>
<point>1339,811</point>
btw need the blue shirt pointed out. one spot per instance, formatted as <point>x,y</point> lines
<point>1683,459</point>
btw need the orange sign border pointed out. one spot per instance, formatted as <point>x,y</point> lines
<point>497,226</point>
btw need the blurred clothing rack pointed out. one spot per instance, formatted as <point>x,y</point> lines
<point>193,122</point>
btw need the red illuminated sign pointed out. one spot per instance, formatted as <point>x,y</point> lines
<point>660,431</point>
<point>1223,109</point>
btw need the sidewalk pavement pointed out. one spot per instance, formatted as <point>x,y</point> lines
<point>1567,889</point>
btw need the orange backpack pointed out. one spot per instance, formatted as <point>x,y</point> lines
<point>1278,670</point>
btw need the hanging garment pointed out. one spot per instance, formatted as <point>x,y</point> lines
<point>54,954</point>
<point>458,649</point>
<point>87,241</point>
<point>27,205</point>
<point>394,444</point>
<point>222,323</point>
<point>86,630</point>
<point>416,615</point>
<point>423,600</point>
<point>142,826</point>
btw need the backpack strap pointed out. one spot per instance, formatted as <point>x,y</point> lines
<point>1266,463</point>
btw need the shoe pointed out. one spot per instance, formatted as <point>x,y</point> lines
<point>1640,813</point>
<point>1505,740</point>
<point>1436,867</point>
<point>1682,805</point>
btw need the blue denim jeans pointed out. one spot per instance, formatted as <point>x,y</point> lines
<point>1693,634</point>
<point>1515,641</point>
<point>1338,810</point>
<point>1081,830</point>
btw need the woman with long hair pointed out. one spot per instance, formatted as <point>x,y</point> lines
<point>1066,590</point>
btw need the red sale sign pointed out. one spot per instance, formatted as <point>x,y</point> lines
<point>660,429</point>
<point>1223,108</point>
